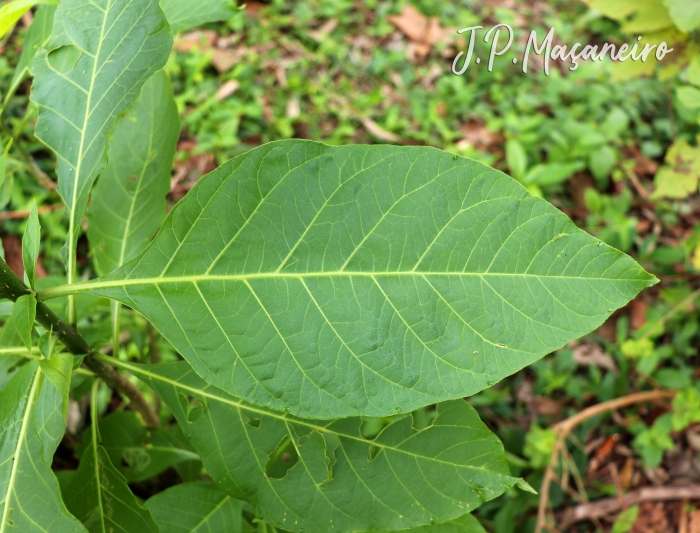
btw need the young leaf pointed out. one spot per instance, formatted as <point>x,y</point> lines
<point>36,38</point>
<point>23,316</point>
<point>137,454</point>
<point>12,11</point>
<point>182,16</point>
<point>30,500</point>
<point>84,80</point>
<point>128,201</point>
<point>195,507</point>
<point>99,496</point>
<point>58,369</point>
<point>340,481</point>
<point>30,244</point>
<point>355,280</point>
<point>9,348</point>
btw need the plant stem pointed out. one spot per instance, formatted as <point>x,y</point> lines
<point>12,287</point>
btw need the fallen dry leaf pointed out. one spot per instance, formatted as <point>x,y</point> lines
<point>227,89</point>
<point>603,452</point>
<point>694,521</point>
<point>13,254</point>
<point>324,30</point>
<point>203,39</point>
<point>638,313</point>
<point>224,59</point>
<point>424,32</point>
<point>375,129</point>
<point>592,354</point>
<point>651,519</point>
<point>293,108</point>
<point>546,406</point>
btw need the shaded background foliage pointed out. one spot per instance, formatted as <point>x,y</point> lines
<point>613,148</point>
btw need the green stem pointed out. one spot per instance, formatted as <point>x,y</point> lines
<point>116,326</point>
<point>12,287</point>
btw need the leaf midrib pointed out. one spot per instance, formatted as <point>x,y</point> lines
<point>243,407</point>
<point>65,290</point>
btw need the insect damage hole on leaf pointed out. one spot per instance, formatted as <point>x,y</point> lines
<point>64,58</point>
<point>281,459</point>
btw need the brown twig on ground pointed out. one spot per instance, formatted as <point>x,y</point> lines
<point>565,427</point>
<point>15,215</point>
<point>605,507</point>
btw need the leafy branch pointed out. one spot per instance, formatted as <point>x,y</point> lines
<point>12,287</point>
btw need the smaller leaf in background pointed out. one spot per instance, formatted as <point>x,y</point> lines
<point>137,453</point>
<point>539,444</point>
<point>195,507</point>
<point>647,17</point>
<point>684,13</point>
<point>11,12</point>
<point>23,316</point>
<point>688,96</point>
<point>651,443</point>
<point>6,180</point>
<point>128,201</point>
<point>98,494</point>
<point>686,409</point>
<point>58,370</point>
<point>516,158</point>
<point>601,162</point>
<point>679,177</point>
<point>693,72</point>
<point>37,37</point>
<point>625,520</point>
<point>30,499</point>
<point>182,15</point>
<point>546,174</point>
<point>30,245</point>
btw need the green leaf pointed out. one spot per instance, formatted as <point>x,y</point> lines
<point>340,479</point>
<point>464,524</point>
<point>128,201</point>
<point>23,316</point>
<point>58,369</point>
<point>9,361</point>
<point>36,38</point>
<point>679,177</point>
<point>30,244</point>
<point>100,55</point>
<point>516,159</point>
<point>195,507</point>
<point>99,495</point>
<point>685,15</point>
<point>6,180</point>
<point>30,500</point>
<point>138,454</point>
<point>689,96</point>
<point>182,15</point>
<point>339,281</point>
<point>11,12</point>
<point>551,173</point>
<point>625,520</point>
<point>686,409</point>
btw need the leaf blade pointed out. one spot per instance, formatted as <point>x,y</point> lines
<point>234,440</point>
<point>125,212</point>
<point>23,316</point>
<point>85,80</point>
<point>30,499</point>
<point>30,244</point>
<point>182,17</point>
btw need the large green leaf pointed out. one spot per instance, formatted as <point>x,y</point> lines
<point>30,500</point>
<point>36,38</point>
<point>464,524</point>
<point>99,495</point>
<point>341,480</point>
<point>183,15</point>
<point>99,56</point>
<point>128,201</point>
<point>195,508</point>
<point>358,280</point>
